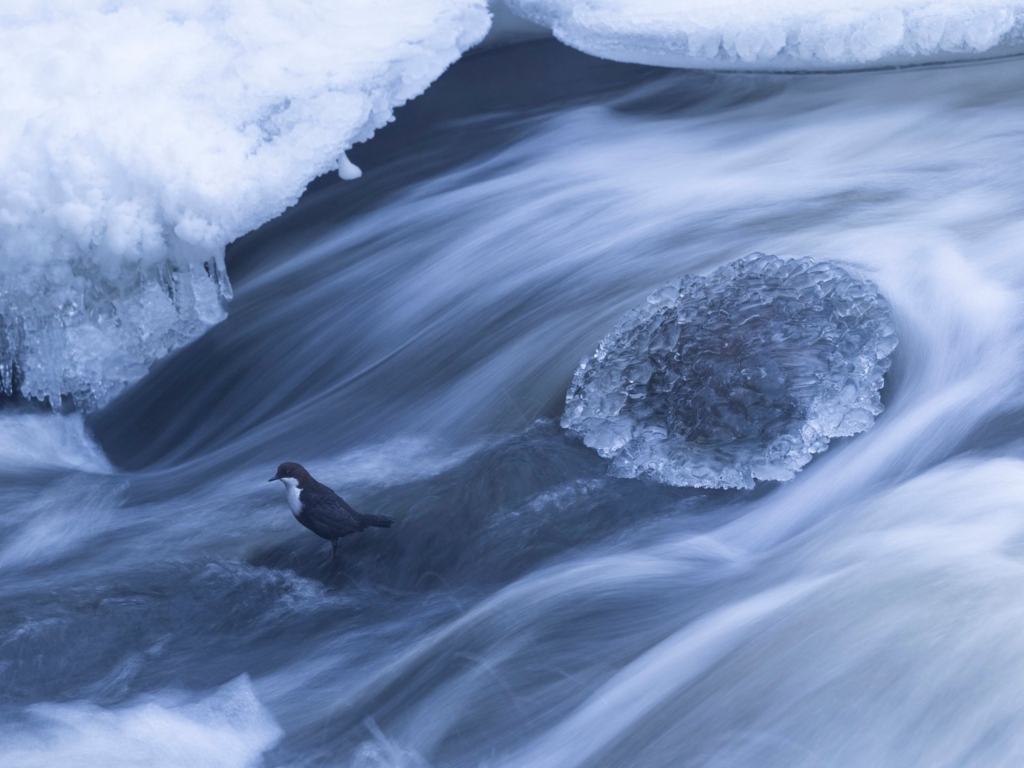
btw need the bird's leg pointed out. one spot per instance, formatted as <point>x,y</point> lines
<point>334,551</point>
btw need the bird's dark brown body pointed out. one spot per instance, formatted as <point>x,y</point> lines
<point>320,509</point>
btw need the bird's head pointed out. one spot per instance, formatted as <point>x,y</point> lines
<point>291,473</point>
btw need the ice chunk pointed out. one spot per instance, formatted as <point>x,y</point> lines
<point>740,376</point>
<point>348,170</point>
<point>141,136</point>
<point>780,34</point>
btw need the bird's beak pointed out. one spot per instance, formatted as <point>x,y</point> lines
<point>275,477</point>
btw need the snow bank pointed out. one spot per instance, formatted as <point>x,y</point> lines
<point>781,34</point>
<point>139,137</point>
<point>740,376</point>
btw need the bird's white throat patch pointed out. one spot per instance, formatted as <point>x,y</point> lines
<point>292,486</point>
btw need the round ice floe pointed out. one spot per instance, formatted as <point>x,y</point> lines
<point>740,376</point>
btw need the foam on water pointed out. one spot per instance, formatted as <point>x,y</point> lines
<point>34,441</point>
<point>139,138</point>
<point>228,729</point>
<point>781,34</point>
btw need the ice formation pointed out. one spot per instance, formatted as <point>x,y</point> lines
<point>781,34</point>
<point>141,136</point>
<point>740,376</point>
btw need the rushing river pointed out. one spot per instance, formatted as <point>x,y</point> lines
<point>410,338</point>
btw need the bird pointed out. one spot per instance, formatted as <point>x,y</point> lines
<point>320,509</point>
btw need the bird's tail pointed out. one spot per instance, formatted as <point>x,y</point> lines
<point>378,521</point>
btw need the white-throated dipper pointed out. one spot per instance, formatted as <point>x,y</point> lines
<point>320,509</point>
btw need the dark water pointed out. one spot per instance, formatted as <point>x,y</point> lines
<point>410,337</point>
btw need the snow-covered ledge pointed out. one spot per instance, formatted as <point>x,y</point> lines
<point>139,137</point>
<point>782,34</point>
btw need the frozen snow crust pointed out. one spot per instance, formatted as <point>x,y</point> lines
<point>781,34</point>
<point>740,376</point>
<point>139,137</point>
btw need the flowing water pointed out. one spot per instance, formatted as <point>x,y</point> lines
<point>410,338</point>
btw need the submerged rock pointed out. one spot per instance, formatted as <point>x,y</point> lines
<point>739,376</point>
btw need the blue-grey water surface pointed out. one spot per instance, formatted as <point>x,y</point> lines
<point>410,338</point>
